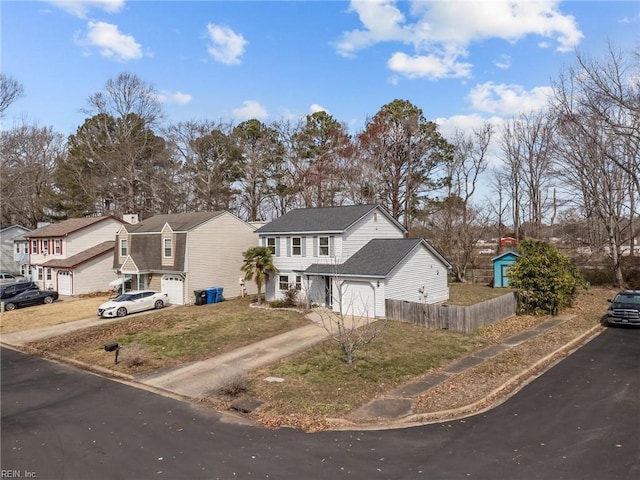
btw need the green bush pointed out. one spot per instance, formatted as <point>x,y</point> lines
<point>546,279</point>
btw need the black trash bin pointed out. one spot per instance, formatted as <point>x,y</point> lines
<point>201,297</point>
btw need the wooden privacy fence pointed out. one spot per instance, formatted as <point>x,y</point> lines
<point>453,317</point>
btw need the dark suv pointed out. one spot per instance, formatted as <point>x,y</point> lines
<point>7,291</point>
<point>625,308</point>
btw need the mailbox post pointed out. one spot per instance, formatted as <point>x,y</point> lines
<point>113,347</point>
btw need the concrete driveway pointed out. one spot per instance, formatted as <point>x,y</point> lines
<point>579,420</point>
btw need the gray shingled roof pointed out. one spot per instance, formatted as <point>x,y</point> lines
<point>179,222</point>
<point>82,257</point>
<point>376,259</point>
<point>324,219</point>
<point>65,227</point>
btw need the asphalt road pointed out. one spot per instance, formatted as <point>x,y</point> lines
<point>580,420</point>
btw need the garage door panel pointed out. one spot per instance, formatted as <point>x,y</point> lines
<point>64,283</point>
<point>173,286</point>
<point>358,299</point>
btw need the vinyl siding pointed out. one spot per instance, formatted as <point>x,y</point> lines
<point>93,276</point>
<point>420,269</point>
<point>367,229</point>
<point>215,256</point>
<point>81,240</point>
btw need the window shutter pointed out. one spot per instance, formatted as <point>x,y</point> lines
<point>315,246</point>
<point>332,242</point>
<point>277,246</point>
<point>303,246</point>
<point>288,246</point>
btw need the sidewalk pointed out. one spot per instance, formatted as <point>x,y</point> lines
<point>198,379</point>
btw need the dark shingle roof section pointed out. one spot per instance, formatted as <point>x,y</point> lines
<point>376,259</point>
<point>323,219</point>
<point>65,227</point>
<point>82,257</point>
<point>179,222</point>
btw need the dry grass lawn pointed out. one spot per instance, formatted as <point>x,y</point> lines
<point>62,311</point>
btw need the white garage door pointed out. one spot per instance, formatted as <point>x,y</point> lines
<point>173,285</point>
<point>64,282</point>
<point>358,299</point>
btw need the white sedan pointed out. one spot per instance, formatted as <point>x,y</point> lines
<point>132,302</point>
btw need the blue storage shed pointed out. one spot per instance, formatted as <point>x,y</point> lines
<point>501,264</point>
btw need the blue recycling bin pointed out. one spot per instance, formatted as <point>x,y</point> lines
<point>214,294</point>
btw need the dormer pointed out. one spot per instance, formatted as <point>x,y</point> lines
<point>168,245</point>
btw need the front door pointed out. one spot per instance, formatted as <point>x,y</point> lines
<point>328,292</point>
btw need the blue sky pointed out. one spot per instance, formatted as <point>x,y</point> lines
<point>460,62</point>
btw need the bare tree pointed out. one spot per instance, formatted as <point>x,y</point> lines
<point>28,158</point>
<point>458,225</point>
<point>10,91</point>
<point>527,146</point>
<point>120,141</point>
<point>348,323</point>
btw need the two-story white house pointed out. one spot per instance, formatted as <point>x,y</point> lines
<point>351,258</point>
<point>74,256</point>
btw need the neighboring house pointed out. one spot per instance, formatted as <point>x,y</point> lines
<point>21,256</point>
<point>10,259</point>
<point>180,253</point>
<point>351,258</point>
<point>74,256</point>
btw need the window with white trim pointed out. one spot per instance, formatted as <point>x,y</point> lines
<point>296,246</point>
<point>58,246</point>
<point>271,245</point>
<point>283,283</point>
<point>124,247</point>
<point>39,273</point>
<point>48,274</point>
<point>168,248</point>
<point>298,282</point>
<point>34,246</point>
<point>45,246</point>
<point>323,246</point>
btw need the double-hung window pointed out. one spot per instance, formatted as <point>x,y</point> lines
<point>271,245</point>
<point>57,246</point>
<point>168,248</point>
<point>323,246</point>
<point>124,247</point>
<point>283,283</point>
<point>296,246</point>
<point>298,282</point>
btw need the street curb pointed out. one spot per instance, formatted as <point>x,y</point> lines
<point>495,398</point>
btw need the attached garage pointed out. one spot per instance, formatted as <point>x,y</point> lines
<point>173,285</point>
<point>65,286</point>
<point>358,298</point>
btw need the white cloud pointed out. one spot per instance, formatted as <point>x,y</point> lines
<point>503,62</point>
<point>112,43</point>
<point>317,108</point>
<point>175,97</point>
<point>503,99</point>
<point>428,66</point>
<point>80,8</point>
<point>443,30</point>
<point>227,46</point>
<point>251,109</point>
